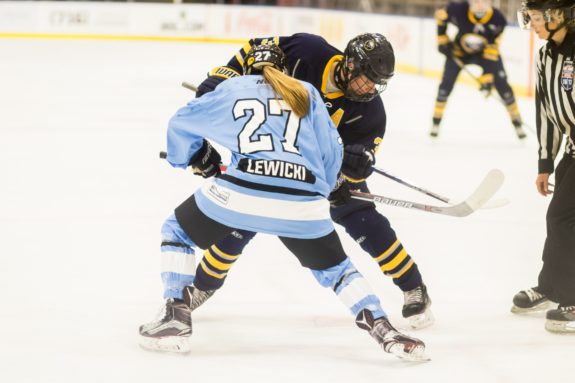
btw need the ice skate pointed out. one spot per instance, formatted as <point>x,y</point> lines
<point>434,132</point>
<point>171,331</point>
<point>416,308</point>
<point>194,298</point>
<point>391,340</point>
<point>518,125</point>
<point>561,320</point>
<point>530,301</point>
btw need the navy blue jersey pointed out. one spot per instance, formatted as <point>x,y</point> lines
<point>309,58</point>
<point>474,36</point>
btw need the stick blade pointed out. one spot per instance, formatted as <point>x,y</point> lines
<point>487,189</point>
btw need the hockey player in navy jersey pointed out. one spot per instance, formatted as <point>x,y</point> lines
<point>479,31</point>
<point>286,157</point>
<point>350,83</point>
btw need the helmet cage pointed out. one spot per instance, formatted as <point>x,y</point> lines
<point>370,55</point>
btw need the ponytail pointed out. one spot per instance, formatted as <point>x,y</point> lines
<point>289,89</point>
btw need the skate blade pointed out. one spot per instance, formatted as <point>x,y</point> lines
<point>543,306</point>
<point>416,355</point>
<point>423,320</point>
<point>177,344</point>
<point>562,327</point>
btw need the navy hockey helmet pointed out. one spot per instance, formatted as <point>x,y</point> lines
<point>264,55</point>
<point>371,55</point>
<point>548,8</point>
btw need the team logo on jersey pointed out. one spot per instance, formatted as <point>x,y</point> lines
<point>567,75</point>
<point>221,196</point>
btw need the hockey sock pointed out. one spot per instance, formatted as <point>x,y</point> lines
<point>219,258</point>
<point>513,111</point>
<point>438,111</point>
<point>374,234</point>
<point>350,287</point>
<point>178,259</point>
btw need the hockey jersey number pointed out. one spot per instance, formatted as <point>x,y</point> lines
<point>263,142</point>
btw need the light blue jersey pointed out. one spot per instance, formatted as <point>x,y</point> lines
<point>282,167</point>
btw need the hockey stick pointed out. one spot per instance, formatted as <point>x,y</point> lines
<point>489,205</point>
<point>488,187</point>
<point>190,86</point>
<point>411,186</point>
<point>164,155</point>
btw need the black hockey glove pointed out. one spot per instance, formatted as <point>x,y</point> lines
<point>357,162</point>
<point>215,77</point>
<point>446,49</point>
<point>340,195</point>
<point>209,85</point>
<point>206,162</point>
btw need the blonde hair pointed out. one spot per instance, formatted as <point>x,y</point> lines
<point>289,89</point>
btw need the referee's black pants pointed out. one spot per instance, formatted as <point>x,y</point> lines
<point>557,277</point>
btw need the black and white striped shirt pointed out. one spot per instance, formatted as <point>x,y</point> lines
<point>555,101</point>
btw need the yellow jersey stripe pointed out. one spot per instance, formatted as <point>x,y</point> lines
<point>325,77</point>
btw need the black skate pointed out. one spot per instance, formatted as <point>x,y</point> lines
<point>171,331</point>
<point>391,340</point>
<point>416,307</point>
<point>194,298</point>
<point>518,125</point>
<point>530,301</point>
<point>561,320</point>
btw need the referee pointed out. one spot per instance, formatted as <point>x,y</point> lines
<point>554,21</point>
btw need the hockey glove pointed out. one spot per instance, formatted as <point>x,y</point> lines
<point>206,162</point>
<point>215,77</point>
<point>357,162</point>
<point>446,49</point>
<point>340,195</point>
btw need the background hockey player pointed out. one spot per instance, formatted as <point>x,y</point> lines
<point>271,119</point>
<point>479,30</point>
<point>554,21</point>
<point>350,83</point>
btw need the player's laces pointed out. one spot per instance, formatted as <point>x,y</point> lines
<point>414,296</point>
<point>391,340</point>
<point>170,331</point>
<point>534,295</point>
<point>416,307</point>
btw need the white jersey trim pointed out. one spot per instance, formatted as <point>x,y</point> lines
<point>265,207</point>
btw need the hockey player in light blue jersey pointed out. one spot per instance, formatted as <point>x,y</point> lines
<point>285,162</point>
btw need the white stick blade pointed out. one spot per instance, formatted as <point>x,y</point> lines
<point>487,189</point>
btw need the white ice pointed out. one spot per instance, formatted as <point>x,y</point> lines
<point>83,196</point>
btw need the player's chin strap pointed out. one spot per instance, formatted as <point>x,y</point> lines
<point>553,31</point>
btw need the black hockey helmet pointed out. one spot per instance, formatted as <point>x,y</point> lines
<point>369,54</point>
<point>547,7</point>
<point>264,55</point>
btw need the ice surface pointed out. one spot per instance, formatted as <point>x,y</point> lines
<point>84,194</point>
